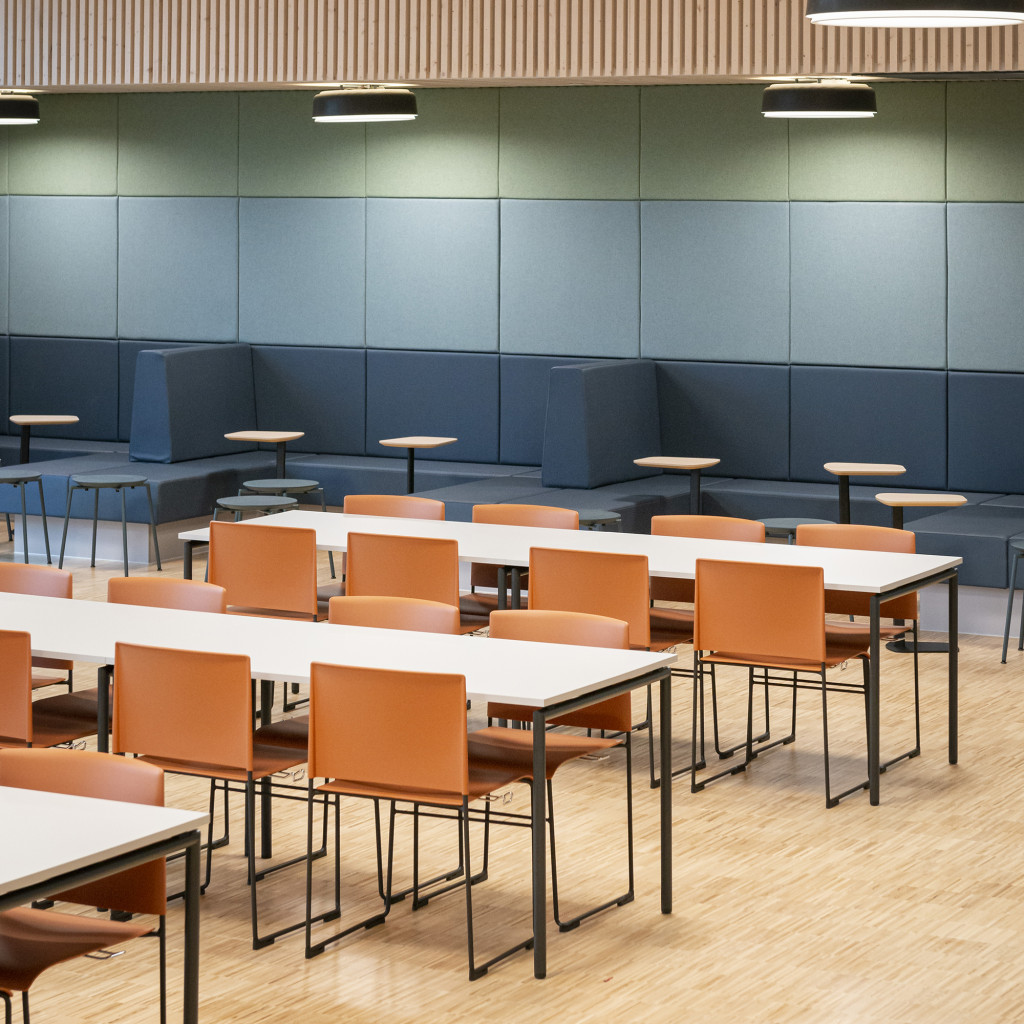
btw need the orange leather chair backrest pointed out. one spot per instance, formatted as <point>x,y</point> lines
<point>595,582</point>
<point>15,686</point>
<point>394,613</point>
<point>701,528</point>
<point>391,729</point>
<point>422,567</point>
<point>766,612</point>
<point>861,538</point>
<point>142,889</point>
<point>45,581</point>
<point>267,570</point>
<point>559,627</point>
<point>396,506</point>
<point>549,516</point>
<point>155,695</point>
<point>153,592</point>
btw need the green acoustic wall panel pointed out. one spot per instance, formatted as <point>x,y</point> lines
<point>450,151</point>
<point>63,266</point>
<point>574,143</point>
<point>71,152</point>
<point>282,151</point>
<point>986,142</point>
<point>4,202</point>
<point>301,273</point>
<point>178,144</point>
<point>896,156</point>
<point>710,142</point>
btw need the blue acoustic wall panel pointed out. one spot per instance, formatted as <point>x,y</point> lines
<point>6,427</point>
<point>64,266</point>
<point>321,391</point>
<point>127,353</point>
<point>432,274</point>
<point>443,394</point>
<point>735,412</point>
<point>715,281</point>
<point>570,277</point>
<point>850,414</point>
<point>177,267</point>
<point>4,246</point>
<point>869,284</point>
<point>986,303</point>
<point>524,402</point>
<point>301,271</point>
<point>85,385</point>
<point>984,414</point>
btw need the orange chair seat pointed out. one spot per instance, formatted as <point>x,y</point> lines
<point>266,760</point>
<point>483,779</point>
<point>292,733</point>
<point>834,655</point>
<point>670,626</point>
<point>853,634</point>
<point>512,749</point>
<point>77,706</point>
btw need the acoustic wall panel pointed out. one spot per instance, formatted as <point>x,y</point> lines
<point>301,271</point>
<point>578,143</point>
<point>715,281</point>
<point>868,284</point>
<point>4,270</point>
<point>984,409</point>
<point>985,141</point>
<point>177,265</point>
<point>63,266</point>
<point>4,134</point>
<point>432,274</point>
<point>570,278</point>
<point>897,156</point>
<point>282,151</point>
<point>986,304</point>
<point>177,144</point>
<point>710,142</point>
<point>72,151</point>
<point>449,151</point>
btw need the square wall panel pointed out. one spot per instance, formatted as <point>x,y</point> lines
<point>4,134</point>
<point>63,268</point>
<point>986,303</point>
<point>449,151</point>
<point>710,142</point>
<point>301,274</point>
<point>71,152</point>
<point>869,284</point>
<point>570,278</point>
<point>715,281</point>
<point>178,269</point>
<point>897,156</point>
<point>282,151</point>
<point>178,144</point>
<point>570,143</point>
<point>432,274</point>
<point>985,142</point>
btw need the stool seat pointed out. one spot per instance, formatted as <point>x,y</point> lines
<point>286,485</point>
<point>115,480</point>
<point>593,517</point>
<point>14,475</point>
<point>17,477</point>
<point>255,503</point>
<point>786,527</point>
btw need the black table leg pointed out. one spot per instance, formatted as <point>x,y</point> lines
<point>665,714</point>
<point>103,674</point>
<point>410,471</point>
<point>539,794</point>
<point>954,682</point>
<point>190,987</point>
<point>280,461</point>
<point>844,499</point>
<point>695,492</point>
<point>26,433</point>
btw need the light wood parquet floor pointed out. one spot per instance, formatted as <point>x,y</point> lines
<point>784,911</point>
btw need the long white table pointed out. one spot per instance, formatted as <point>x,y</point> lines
<point>551,678</point>
<point>53,841</point>
<point>881,574</point>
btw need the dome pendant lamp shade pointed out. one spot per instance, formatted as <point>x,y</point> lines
<point>915,13</point>
<point>818,99</point>
<point>364,104</point>
<point>17,108</point>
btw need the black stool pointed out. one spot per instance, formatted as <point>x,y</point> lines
<point>265,503</point>
<point>97,482</point>
<point>786,527</point>
<point>1016,550</point>
<point>17,477</point>
<point>289,486</point>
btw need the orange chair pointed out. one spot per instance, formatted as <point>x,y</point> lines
<point>33,940</point>
<point>155,697</point>
<point>165,592</point>
<point>360,747</point>
<point>840,602</point>
<point>513,748</point>
<point>481,605</point>
<point>25,722</point>
<point>769,617</point>
<point>43,581</point>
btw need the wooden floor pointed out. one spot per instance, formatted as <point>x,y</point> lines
<point>784,911</point>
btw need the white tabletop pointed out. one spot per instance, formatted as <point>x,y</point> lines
<point>872,572</point>
<point>48,834</point>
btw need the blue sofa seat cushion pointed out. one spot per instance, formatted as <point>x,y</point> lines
<point>979,534</point>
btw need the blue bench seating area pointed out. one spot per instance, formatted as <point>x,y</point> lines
<point>541,429</point>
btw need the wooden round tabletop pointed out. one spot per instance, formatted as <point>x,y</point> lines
<point>921,500</point>
<point>864,468</point>
<point>675,462</point>
<point>266,436</point>
<point>41,420</point>
<point>417,442</point>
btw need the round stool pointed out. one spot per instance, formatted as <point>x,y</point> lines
<point>1016,551</point>
<point>787,527</point>
<point>116,482</point>
<point>289,486</point>
<point>265,503</point>
<point>18,478</point>
<point>599,519</point>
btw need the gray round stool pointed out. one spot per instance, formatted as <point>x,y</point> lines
<point>288,486</point>
<point>17,477</point>
<point>1016,551</point>
<point>265,503</point>
<point>116,482</point>
<point>599,519</point>
<point>787,527</point>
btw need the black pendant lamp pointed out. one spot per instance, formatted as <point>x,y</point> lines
<point>916,13</point>
<point>18,108</point>
<point>819,99</point>
<point>364,103</point>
